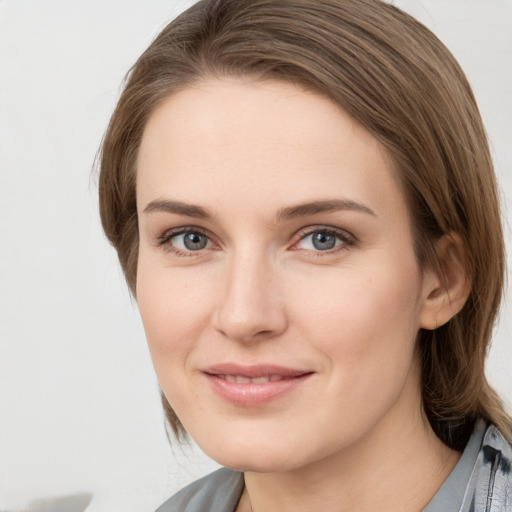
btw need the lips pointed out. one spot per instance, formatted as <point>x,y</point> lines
<point>255,371</point>
<point>253,386</point>
<point>255,380</point>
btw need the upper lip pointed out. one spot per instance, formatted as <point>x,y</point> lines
<point>254,371</point>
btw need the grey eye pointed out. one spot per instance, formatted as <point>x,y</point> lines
<point>323,241</point>
<point>190,241</point>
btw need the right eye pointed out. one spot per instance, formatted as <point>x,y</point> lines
<point>186,241</point>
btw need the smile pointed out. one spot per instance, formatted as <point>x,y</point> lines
<point>255,380</point>
<point>254,386</point>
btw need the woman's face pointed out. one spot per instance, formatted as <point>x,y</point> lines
<point>277,280</point>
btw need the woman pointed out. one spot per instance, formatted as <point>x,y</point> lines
<point>303,203</point>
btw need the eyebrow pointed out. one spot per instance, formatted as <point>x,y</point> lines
<point>177,207</point>
<point>330,205</point>
<point>288,213</point>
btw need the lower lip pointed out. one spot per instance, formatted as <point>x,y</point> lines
<point>254,394</point>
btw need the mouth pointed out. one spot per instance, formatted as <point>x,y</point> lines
<point>254,386</point>
<point>240,379</point>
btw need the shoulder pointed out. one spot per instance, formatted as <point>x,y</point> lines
<point>219,491</point>
<point>493,473</point>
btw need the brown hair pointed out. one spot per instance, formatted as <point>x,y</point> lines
<point>396,79</point>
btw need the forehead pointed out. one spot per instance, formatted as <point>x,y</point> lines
<point>268,139</point>
<point>226,112</point>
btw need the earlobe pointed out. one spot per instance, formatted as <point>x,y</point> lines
<point>446,287</point>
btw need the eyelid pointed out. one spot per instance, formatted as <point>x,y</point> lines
<point>347,238</point>
<point>164,239</point>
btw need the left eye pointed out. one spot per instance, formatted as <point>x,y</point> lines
<point>190,241</point>
<point>320,241</point>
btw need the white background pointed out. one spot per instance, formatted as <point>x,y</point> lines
<point>79,404</point>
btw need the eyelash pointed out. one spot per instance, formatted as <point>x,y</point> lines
<point>346,238</point>
<point>165,238</point>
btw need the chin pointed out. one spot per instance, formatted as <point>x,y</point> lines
<point>257,452</point>
<point>257,462</point>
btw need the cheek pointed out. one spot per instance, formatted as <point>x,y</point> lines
<point>175,307</point>
<point>363,317</point>
<point>364,324</point>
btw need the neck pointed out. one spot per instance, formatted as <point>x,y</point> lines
<point>371,474</point>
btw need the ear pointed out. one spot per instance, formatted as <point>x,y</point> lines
<point>445,288</point>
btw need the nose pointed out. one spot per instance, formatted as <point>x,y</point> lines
<point>251,306</point>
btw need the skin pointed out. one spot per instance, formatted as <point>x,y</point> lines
<point>353,436</point>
